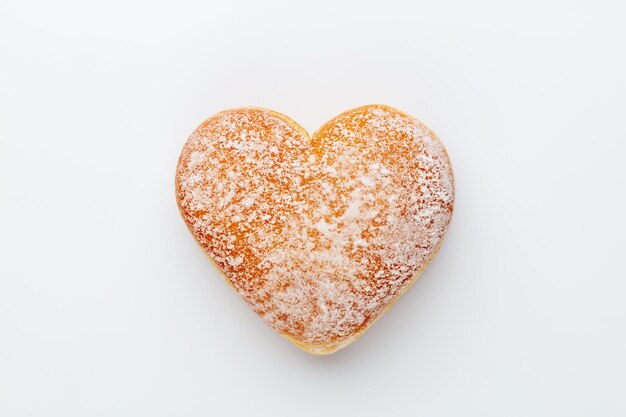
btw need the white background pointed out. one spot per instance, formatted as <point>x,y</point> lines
<point>108,307</point>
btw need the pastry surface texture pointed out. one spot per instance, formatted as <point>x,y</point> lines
<point>318,234</point>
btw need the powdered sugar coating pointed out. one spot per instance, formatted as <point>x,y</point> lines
<point>318,235</point>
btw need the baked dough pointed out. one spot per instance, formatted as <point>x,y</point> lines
<point>320,235</point>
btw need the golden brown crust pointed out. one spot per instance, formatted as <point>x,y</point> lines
<point>319,235</point>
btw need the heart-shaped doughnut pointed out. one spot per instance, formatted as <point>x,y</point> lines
<point>320,235</point>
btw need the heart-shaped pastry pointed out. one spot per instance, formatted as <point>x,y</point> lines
<point>320,235</point>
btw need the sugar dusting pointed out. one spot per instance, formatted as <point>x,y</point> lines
<point>318,235</point>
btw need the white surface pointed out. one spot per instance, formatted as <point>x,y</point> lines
<point>107,307</point>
